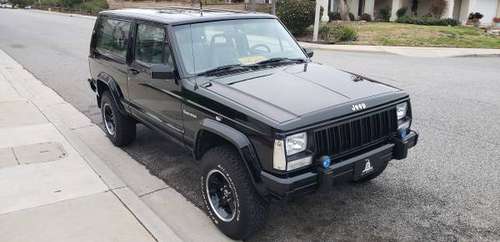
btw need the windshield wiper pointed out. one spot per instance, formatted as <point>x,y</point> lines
<point>280,60</point>
<point>221,69</point>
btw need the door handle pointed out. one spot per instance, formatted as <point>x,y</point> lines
<point>133,71</point>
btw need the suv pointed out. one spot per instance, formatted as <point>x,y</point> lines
<point>264,121</point>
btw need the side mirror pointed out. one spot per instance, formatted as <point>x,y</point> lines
<point>161,71</point>
<point>309,52</point>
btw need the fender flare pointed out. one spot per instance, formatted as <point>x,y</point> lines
<point>113,88</point>
<point>241,142</point>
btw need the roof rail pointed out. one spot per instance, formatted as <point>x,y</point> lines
<point>198,9</point>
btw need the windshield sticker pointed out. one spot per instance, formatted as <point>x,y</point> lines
<point>250,60</point>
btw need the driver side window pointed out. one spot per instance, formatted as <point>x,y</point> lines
<point>151,46</point>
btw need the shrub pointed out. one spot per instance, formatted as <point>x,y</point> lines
<point>336,33</point>
<point>352,17</point>
<point>428,21</point>
<point>94,6</point>
<point>297,15</point>
<point>475,16</point>
<point>401,12</point>
<point>21,3</point>
<point>334,16</point>
<point>366,17</point>
<point>385,14</point>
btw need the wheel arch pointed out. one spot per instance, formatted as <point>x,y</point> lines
<point>213,133</point>
<point>105,82</point>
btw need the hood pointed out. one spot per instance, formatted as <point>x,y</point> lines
<point>302,91</point>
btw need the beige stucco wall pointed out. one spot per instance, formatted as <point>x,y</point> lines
<point>487,7</point>
<point>353,7</point>
<point>379,5</point>
<point>498,9</point>
<point>464,11</point>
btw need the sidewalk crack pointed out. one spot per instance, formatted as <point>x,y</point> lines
<point>151,192</point>
<point>15,155</point>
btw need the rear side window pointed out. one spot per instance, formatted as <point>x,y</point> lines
<point>113,36</point>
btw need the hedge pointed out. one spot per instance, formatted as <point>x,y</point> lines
<point>428,21</point>
<point>297,15</point>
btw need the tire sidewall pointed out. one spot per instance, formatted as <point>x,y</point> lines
<point>106,99</point>
<point>233,226</point>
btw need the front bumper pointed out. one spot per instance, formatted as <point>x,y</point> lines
<point>348,169</point>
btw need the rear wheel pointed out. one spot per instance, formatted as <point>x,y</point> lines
<point>119,128</point>
<point>230,198</point>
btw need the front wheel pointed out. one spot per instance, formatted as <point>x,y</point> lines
<point>230,198</point>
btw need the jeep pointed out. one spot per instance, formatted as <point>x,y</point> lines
<point>264,122</point>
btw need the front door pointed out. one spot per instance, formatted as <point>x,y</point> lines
<point>156,98</point>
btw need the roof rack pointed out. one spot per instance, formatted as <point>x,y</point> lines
<point>198,9</point>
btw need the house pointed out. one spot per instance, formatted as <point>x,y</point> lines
<point>456,9</point>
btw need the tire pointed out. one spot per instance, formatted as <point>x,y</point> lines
<point>120,129</point>
<point>373,175</point>
<point>250,210</point>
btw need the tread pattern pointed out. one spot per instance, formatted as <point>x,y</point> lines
<point>125,130</point>
<point>253,208</point>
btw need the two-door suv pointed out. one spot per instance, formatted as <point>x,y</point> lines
<point>240,94</point>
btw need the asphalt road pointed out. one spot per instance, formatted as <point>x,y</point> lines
<point>448,189</point>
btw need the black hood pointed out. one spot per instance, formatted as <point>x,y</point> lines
<point>303,92</point>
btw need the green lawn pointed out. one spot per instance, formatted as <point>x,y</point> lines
<point>376,33</point>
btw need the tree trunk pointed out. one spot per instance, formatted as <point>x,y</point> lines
<point>344,10</point>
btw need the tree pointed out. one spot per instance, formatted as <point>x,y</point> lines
<point>344,10</point>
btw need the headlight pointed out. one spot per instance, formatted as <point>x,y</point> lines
<point>401,110</point>
<point>296,143</point>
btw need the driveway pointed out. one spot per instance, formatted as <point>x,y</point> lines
<point>447,189</point>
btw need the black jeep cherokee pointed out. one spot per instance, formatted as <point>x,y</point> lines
<point>244,98</point>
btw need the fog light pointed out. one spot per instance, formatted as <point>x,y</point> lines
<point>326,161</point>
<point>403,129</point>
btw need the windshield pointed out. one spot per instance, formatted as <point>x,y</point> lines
<point>206,46</point>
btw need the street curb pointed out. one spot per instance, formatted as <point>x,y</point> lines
<point>62,14</point>
<point>406,50</point>
<point>144,215</point>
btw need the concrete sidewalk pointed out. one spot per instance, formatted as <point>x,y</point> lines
<point>407,51</point>
<point>53,186</point>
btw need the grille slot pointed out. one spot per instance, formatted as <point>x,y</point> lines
<point>355,133</point>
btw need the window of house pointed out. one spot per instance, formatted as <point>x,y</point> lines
<point>113,36</point>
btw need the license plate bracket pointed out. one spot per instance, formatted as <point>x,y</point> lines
<point>367,166</point>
